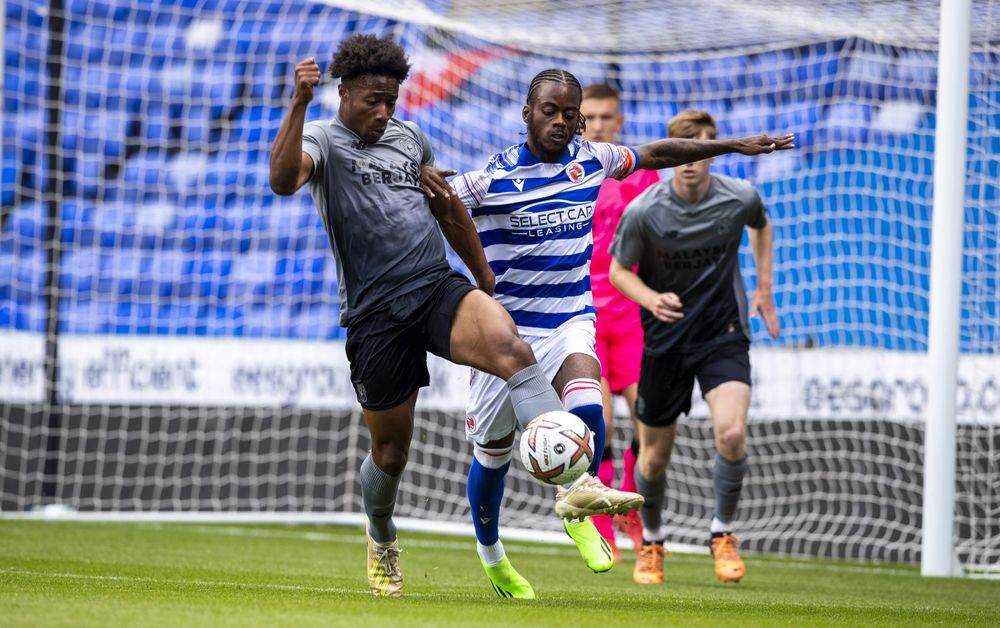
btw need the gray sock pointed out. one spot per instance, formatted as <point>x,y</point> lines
<point>531,394</point>
<point>654,491</point>
<point>727,476</point>
<point>378,490</point>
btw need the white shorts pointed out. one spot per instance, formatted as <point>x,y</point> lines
<point>490,415</point>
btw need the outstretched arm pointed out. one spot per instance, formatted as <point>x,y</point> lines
<point>671,152</point>
<point>461,234</point>
<point>762,300</point>
<point>290,167</point>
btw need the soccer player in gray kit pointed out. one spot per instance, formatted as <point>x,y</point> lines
<point>399,297</point>
<point>684,234</point>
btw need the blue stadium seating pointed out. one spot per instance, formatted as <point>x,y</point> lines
<point>10,176</point>
<point>168,226</point>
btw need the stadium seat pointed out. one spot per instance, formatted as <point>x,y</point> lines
<point>26,224</point>
<point>30,274</point>
<point>267,320</point>
<point>24,133</point>
<point>115,226</point>
<point>723,75</point>
<point>28,315</point>
<point>22,45</point>
<point>255,126</point>
<point>77,227</point>
<point>844,122</point>
<point>800,119</point>
<point>748,117</point>
<point>316,320</point>
<point>11,176</point>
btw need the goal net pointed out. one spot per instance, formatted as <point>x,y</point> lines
<point>168,326</point>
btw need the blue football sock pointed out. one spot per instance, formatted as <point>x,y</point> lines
<point>582,397</point>
<point>593,416</point>
<point>485,490</point>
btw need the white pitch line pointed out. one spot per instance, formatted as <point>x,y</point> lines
<point>203,583</point>
<point>529,548</point>
<point>214,583</point>
<point>343,538</point>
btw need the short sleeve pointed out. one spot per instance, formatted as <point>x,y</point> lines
<point>618,161</point>
<point>627,246</point>
<point>471,187</point>
<point>427,152</point>
<point>316,144</point>
<point>756,212</point>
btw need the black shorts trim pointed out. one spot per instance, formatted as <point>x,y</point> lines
<point>387,346</point>
<point>666,382</point>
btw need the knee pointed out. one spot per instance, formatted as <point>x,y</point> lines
<point>730,441</point>
<point>653,461</point>
<point>512,353</point>
<point>390,457</point>
<point>656,463</point>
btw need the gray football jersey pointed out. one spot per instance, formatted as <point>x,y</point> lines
<point>691,250</point>
<point>384,237</point>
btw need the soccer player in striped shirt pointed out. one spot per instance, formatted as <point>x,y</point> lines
<point>532,205</point>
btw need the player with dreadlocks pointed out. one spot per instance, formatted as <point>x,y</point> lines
<point>532,205</point>
<point>399,297</point>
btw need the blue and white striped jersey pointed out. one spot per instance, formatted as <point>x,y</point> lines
<point>534,220</point>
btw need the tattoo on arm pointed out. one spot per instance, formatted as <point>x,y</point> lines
<point>671,152</point>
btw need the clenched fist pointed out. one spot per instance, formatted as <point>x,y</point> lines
<point>306,78</point>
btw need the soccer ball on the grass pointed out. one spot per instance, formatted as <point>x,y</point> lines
<point>557,447</point>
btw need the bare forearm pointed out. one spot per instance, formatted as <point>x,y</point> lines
<point>630,285</point>
<point>460,231</point>
<point>668,153</point>
<point>286,151</point>
<point>761,244</point>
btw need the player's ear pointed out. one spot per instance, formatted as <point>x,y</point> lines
<point>341,90</point>
<point>524,113</point>
<point>620,120</point>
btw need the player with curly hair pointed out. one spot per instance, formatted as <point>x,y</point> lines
<point>399,297</point>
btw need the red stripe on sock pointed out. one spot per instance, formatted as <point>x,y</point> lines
<point>489,453</point>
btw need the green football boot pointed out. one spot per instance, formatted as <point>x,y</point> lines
<point>507,582</point>
<point>595,550</point>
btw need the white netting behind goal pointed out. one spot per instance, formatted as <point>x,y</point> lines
<point>193,315</point>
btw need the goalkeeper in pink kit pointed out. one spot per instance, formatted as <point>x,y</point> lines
<point>619,330</point>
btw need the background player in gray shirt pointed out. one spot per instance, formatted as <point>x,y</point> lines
<point>399,297</point>
<point>684,234</point>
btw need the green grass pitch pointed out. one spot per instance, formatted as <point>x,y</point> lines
<point>126,574</point>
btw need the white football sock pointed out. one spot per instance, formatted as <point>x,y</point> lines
<point>491,554</point>
<point>719,527</point>
<point>654,536</point>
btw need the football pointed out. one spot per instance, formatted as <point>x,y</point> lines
<point>557,447</point>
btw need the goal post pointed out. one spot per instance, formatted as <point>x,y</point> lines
<point>937,544</point>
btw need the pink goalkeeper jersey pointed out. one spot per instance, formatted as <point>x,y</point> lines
<point>611,202</point>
